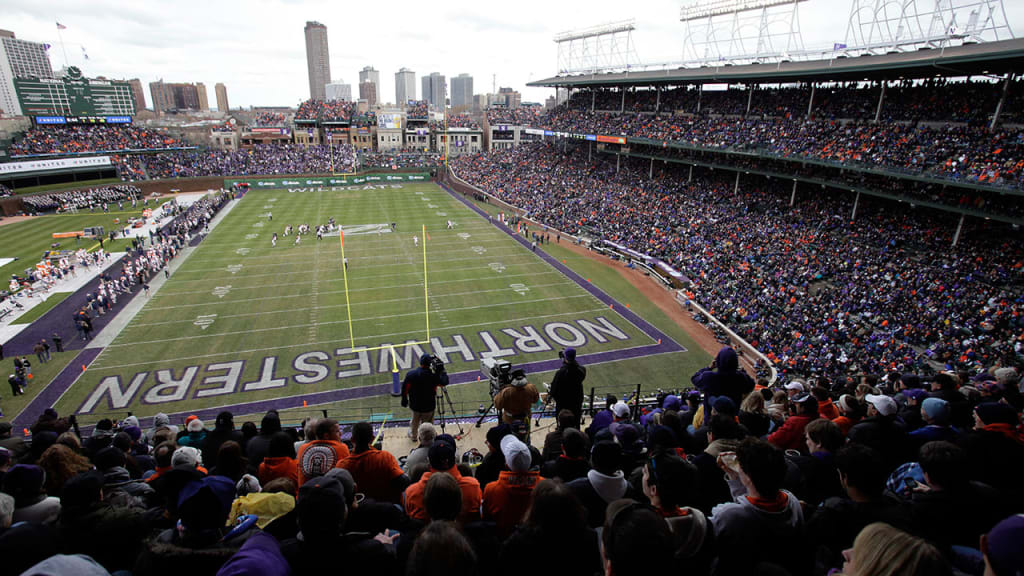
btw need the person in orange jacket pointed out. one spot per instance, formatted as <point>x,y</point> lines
<point>442,459</point>
<point>507,499</point>
<point>376,472</point>
<point>318,457</point>
<point>280,461</point>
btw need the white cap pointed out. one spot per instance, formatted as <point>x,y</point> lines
<point>195,425</point>
<point>517,454</point>
<point>795,385</point>
<point>187,456</point>
<point>886,406</point>
<point>620,409</point>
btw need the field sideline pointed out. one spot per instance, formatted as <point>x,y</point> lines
<point>246,326</point>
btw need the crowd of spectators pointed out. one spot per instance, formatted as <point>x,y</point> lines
<point>417,110</point>
<point>403,159</point>
<point>71,139</point>
<point>92,199</point>
<point>326,111</point>
<point>988,202</point>
<point>892,473</point>
<point>814,290</point>
<point>258,160</point>
<point>457,121</point>
<point>522,116</point>
<point>932,100</point>
<point>958,152</point>
<point>223,127</point>
<point>269,119</point>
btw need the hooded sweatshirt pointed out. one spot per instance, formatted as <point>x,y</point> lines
<point>161,420</point>
<point>725,380</point>
<point>597,491</point>
<point>765,531</point>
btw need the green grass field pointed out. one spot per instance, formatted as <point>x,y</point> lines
<point>245,325</point>
<point>28,240</point>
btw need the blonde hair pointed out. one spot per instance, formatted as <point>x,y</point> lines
<point>753,403</point>
<point>881,550</point>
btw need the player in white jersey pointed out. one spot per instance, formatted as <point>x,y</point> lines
<point>416,241</point>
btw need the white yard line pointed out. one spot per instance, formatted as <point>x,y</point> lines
<point>97,364</point>
<point>371,303</point>
<point>370,289</point>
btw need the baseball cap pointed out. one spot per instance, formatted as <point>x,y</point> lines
<point>425,359</point>
<point>205,503</point>
<point>321,507</point>
<point>672,402</point>
<point>795,385</point>
<point>570,354</point>
<point>517,454</point>
<point>916,393</point>
<point>885,405</point>
<point>724,405</point>
<point>441,455</point>
<point>620,409</point>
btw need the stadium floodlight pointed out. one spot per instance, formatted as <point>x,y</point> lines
<point>698,9</point>
<point>602,29</point>
<point>740,31</point>
<point>604,48</point>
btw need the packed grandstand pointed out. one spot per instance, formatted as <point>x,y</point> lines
<point>870,252</point>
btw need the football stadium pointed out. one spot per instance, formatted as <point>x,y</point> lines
<point>756,307</point>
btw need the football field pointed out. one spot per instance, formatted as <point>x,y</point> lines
<point>247,326</point>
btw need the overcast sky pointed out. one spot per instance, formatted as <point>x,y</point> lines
<point>257,48</point>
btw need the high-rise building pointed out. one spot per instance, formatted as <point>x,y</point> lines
<point>368,92</point>
<point>434,89</point>
<point>19,59</point>
<point>180,96</point>
<point>338,90</point>
<point>462,91</point>
<point>204,102</point>
<point>509,97</point>
<point>405,87</point>
<point>138,94</point>
<point>318,60</point>
<point>222,97</point>
<point>369,74</point>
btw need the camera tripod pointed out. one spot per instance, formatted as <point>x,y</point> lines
<point>441,399</point>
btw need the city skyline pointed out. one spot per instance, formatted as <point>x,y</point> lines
<point>263,58</point>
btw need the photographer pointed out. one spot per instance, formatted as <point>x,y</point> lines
<point>567,386</point>
<point>419,391</point>
<point>516,400</point>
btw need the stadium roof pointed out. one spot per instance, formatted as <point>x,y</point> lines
<point>967,60</point>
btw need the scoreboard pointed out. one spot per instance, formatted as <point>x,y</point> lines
<point>74,96</point>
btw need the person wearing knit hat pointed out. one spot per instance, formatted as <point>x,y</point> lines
<point>935,414</point>
<point>196,433</point>
<point>989,413</point>
<point>506,500</point>
<point>1001,547</point>
<point>31,504</point>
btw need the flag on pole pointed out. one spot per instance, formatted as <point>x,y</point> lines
<point>427,234</point>
<point>61,26</point>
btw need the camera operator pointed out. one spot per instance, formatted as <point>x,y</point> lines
<point>419,391</point>
<point>567,386</point>
<point>516,400</point>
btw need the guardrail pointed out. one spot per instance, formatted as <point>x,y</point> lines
<point>684,300</point>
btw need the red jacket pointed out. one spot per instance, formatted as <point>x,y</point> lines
<point>828,409</point>
<point>791,435</point>
<point>844,423</point>
<point>507,499</point>
<point>471,497</point>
